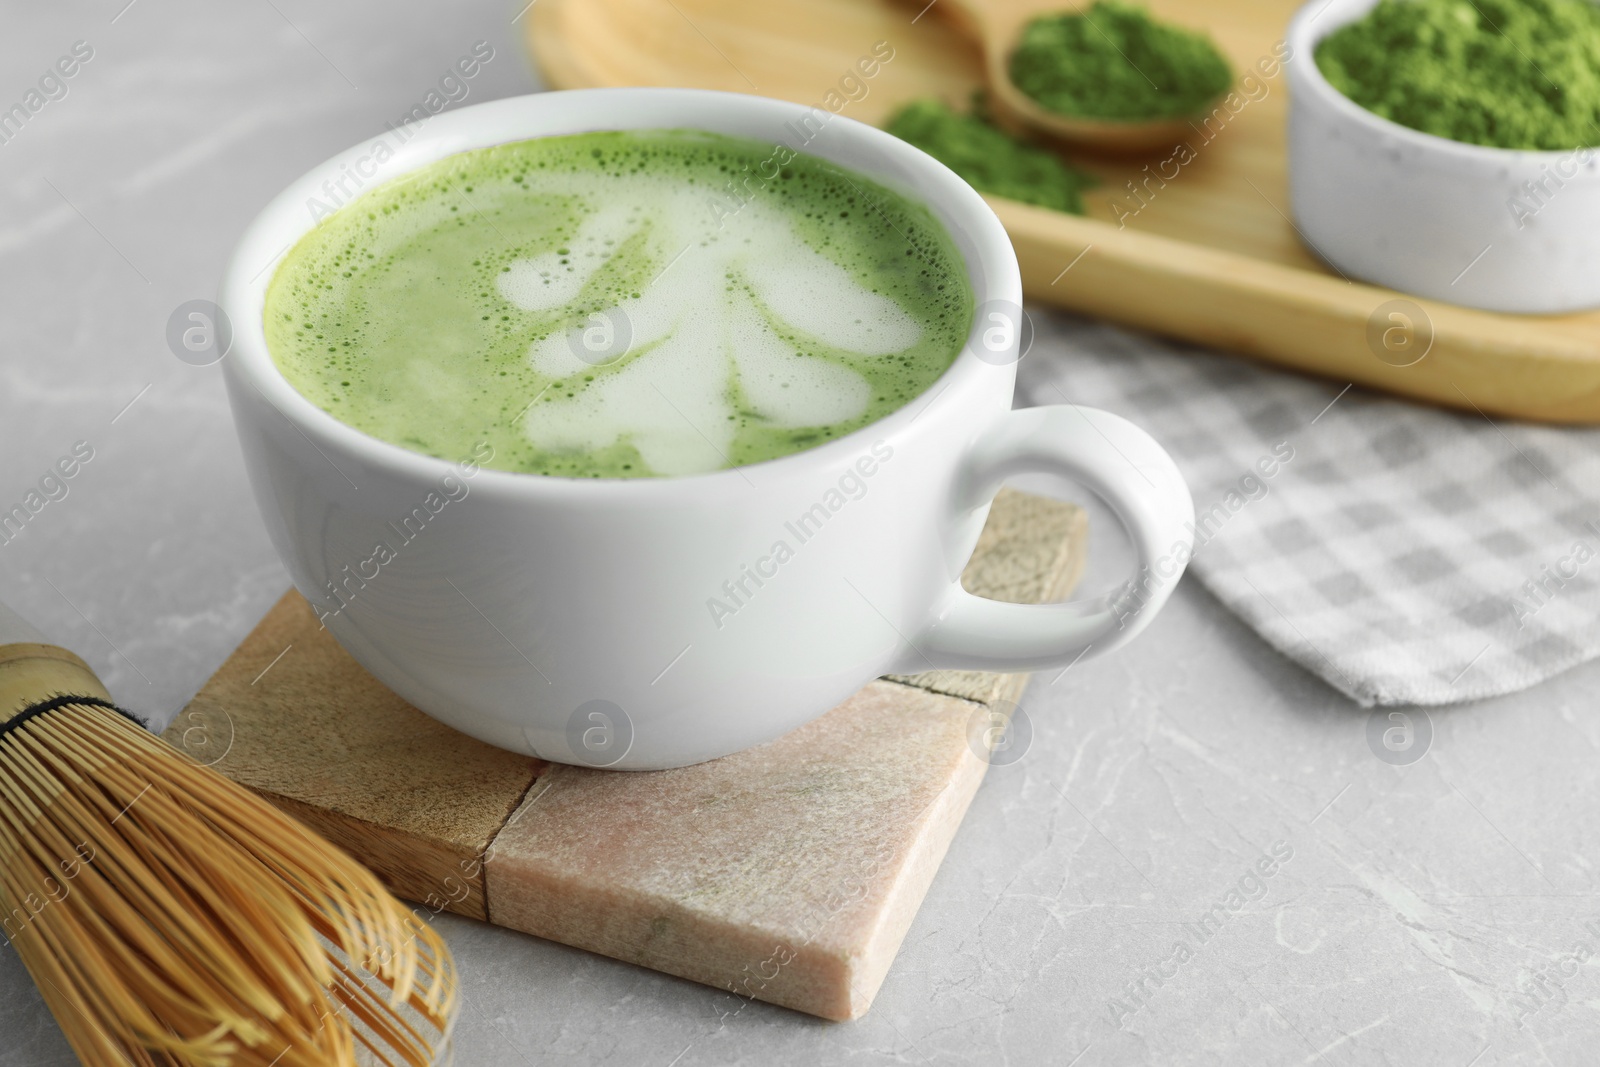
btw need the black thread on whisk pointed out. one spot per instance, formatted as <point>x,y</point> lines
<point>35,710</point>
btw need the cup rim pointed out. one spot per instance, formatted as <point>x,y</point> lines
<point>1304,35</point>
<point>990,262</point>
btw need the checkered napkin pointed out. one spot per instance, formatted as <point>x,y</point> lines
<point>1406,554</point>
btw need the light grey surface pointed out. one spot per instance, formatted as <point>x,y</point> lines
<point>1425,908</point>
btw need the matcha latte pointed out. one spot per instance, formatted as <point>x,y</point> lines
<point>620,305</point>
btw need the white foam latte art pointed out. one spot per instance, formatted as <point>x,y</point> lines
<point>729,312</point>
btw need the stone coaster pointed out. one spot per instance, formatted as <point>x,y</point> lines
<point>789,872</point>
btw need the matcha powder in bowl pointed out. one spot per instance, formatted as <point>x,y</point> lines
<point>1115,63</point>
<point>1522,74</point>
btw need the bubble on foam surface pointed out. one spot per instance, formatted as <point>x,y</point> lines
<point>758,318</point>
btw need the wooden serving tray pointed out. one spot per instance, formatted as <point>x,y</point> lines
<point>1210,256</point>
<point>789,872</point>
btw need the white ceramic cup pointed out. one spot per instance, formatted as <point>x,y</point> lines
<point>577,619</point>
<point>1482,227</point>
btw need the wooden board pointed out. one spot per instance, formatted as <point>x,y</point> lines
<point>1209,256</point>
<point>789,872</point>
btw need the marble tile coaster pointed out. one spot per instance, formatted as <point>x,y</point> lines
<point>789,872</point>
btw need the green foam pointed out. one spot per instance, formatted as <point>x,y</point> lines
<point>391,316</point>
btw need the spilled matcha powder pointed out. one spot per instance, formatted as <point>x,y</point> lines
<point>1115,62</point>
<point>1502,73</point>
<point>989,159</point>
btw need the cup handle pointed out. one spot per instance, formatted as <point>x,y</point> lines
<point>1135,477</point>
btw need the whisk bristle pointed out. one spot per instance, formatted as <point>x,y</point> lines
<point>171,917</point>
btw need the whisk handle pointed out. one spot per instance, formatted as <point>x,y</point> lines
<point>31,674</point>
<point>32,671</point>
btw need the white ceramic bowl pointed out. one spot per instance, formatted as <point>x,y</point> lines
<point>662,621</point>
<point>1488,228</point>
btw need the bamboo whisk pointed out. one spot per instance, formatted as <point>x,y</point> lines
<point>171,917</point>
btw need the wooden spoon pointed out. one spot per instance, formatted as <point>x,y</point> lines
<point>997,29</point>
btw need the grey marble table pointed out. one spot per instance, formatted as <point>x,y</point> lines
<point>1441,912</point>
